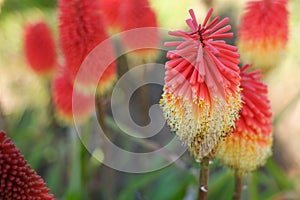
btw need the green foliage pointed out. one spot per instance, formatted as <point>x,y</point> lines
<point>168,183</point>
<point>16,5</point>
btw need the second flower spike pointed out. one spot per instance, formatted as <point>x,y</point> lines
<point>249,145</point>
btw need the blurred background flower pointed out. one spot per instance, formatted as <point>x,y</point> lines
<point>263,33</point>
<point>81,29</point>
<point>111,13</point>
<point>139,14</point>
<point>18,180</point>
<point>63,92</point>
<point>40,48</point>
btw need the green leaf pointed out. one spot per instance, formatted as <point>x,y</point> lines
<point>279,175</point>
<point>172,185</point>
<point>253,186</point>
<point>75,191</point>
<point>221,182</point>
<point>136,182</point>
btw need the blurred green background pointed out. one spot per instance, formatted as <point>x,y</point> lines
<point>71,173</point>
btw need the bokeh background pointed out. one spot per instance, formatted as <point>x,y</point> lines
<point>69,170</point>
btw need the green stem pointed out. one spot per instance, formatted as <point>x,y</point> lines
<point>100,111</point>
<point>144,104</point>
<point>75,190</point>
<point>122,66</point>
<point>108,174</point>
<point>53,125</point>
<point>3,122</point>
<point>203,180</point>
<point>238,186</point>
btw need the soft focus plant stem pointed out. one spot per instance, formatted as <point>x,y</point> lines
<point>203,180</point>
<point>51,109</point>
<point>100,111</point>
<point>75,191</point>
<point>238,186</point>
<point>122,65</point>
<point>108,174</point>
<point>3,123</point>
<point>144,101</point>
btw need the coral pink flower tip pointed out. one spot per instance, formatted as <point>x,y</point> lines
<point>250,143</point>
<point>201,94</point>
<point>17,179</point>
<point>39,48</point>
<point>209,65</point>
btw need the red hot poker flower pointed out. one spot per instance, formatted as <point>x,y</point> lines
<point>201,96</point>
<point>17,179</point>
<point>39,48</point>
<point>250,143</point>
<point>81,30</point>
<point>63,93</point>
<point>111,14</point>
<point>139,14</point>
<point>263,33</point>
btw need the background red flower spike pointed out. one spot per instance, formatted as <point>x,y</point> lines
<point>81,30</point>
<point>263,33</point>
<point>250,143</point>
<point>139,14</point>
<point>39,48</point>
<point>17,179</point>
<point>201,97</point>
<point>111,13</point>
<point>62,94</point>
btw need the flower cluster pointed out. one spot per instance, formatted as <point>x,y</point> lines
<point>83,25</point>
<point>201,98</point>
<point>81,29</point>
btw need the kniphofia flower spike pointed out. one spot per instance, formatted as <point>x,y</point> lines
<point>136,14</point>
<point>81,30</point>
<point>249,145</point>
<point>111,14</point>
<point>201,98</point>
<point>263,33</point>
<point>39,47</point>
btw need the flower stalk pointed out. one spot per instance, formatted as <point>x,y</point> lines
<point>100,111</point>
<point>238,186</point>
<point>203,179</point>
